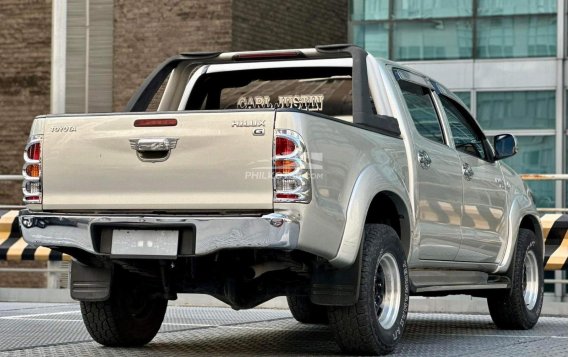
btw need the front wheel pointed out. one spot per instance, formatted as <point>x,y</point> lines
<point>374,325</point>
<point>131,316</point>
<point>518,308</point>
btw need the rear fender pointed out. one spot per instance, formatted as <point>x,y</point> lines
<point>372,180</point>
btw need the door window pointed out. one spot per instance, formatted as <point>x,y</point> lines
<point>467,136</point>
<point>421,107</point>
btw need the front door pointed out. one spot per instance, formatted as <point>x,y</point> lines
<point>484,219</point>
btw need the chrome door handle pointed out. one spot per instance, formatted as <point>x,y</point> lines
<point>153,144</point>
<point>424,159</point>
<point>153,149</point>
<point>467,171</point>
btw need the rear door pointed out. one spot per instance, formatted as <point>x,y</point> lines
<point>206,161</point>
<point>484,221</point>
<point>438,170</point>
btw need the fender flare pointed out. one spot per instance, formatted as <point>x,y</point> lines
<point>520,208</point>
<point>337,283</point>
<point>371,181</point>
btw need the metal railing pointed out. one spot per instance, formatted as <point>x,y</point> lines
<point>5,178</point>
<point>547,177</point>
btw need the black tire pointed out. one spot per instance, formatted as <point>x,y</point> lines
<point>357,328</point>
<point>305,311</point>
<point>131,316</point>
<point>509,309</point>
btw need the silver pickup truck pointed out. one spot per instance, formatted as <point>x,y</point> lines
<point>343,182</point>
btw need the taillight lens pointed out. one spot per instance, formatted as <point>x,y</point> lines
<point>33,170</point>
<point>284,146</point>
<point>32,187</point>
<point>291,171</point>
<point>285,166</point>
<point>34,151</point>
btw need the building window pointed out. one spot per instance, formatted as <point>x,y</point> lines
<point>373,37</point>
<point>465,97</point>
<point>516,7</point>
<point>516,110</point>
<point>530,116</point>
<point>369,9</point>
<point>432,39</point>
<point>428,9</point>
<point>499,37</point>
<point>454,29</point>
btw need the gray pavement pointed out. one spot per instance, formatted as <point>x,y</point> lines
<point>32,329</point>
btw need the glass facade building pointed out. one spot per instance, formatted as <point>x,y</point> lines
<point>406,30</point>
<point>505,59</point>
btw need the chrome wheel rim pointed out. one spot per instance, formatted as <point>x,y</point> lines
<point>530,280</point>
<point>387,291</point>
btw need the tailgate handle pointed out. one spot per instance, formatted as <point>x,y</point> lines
<point>153,149</point>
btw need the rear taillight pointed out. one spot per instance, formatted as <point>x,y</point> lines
<point>31,171</point>
<point>291,171</point>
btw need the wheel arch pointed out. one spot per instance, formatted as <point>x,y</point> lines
<point>390,209</point>
<point>379,196</point>
<point>527,220</point>
<point>374,186</point>
<point>533,224</point>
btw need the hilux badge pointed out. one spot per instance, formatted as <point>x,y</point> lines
<point>247,123</point>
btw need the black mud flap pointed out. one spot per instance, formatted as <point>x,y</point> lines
<point>90,283</point>
<point>336,287</point>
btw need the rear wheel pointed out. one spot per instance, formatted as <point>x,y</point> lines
<point>305,311</point>
<point>374,325</point>
<point>518,308</point>
<point>131,316</point>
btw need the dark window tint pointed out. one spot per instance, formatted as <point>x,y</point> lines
<point>419,102</point>
<point>322,90</point>
<point>467,137</point>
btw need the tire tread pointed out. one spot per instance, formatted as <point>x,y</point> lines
<point>351,327</point>
<point>507,309</point>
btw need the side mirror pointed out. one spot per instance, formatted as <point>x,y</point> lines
<point>505,146</point>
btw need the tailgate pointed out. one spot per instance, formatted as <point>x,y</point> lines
<point>216,162</point>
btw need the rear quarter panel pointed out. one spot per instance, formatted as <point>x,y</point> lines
<point>339,154</point>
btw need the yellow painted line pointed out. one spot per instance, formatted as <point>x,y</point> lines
<point>42,254</point>
<point>559,257</point>
<point>16,250</point>
<point>6,224</point>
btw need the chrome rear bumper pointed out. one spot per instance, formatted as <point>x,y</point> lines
<point>54,230</point>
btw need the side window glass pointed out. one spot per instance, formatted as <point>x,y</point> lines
<point>466,137</point>
<point>419,102</point>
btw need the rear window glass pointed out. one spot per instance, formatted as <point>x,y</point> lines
<point>321,90</point>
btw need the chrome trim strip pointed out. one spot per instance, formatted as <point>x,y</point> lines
<point>274,231</point>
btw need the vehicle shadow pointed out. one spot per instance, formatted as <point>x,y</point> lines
<point>426,334</point>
